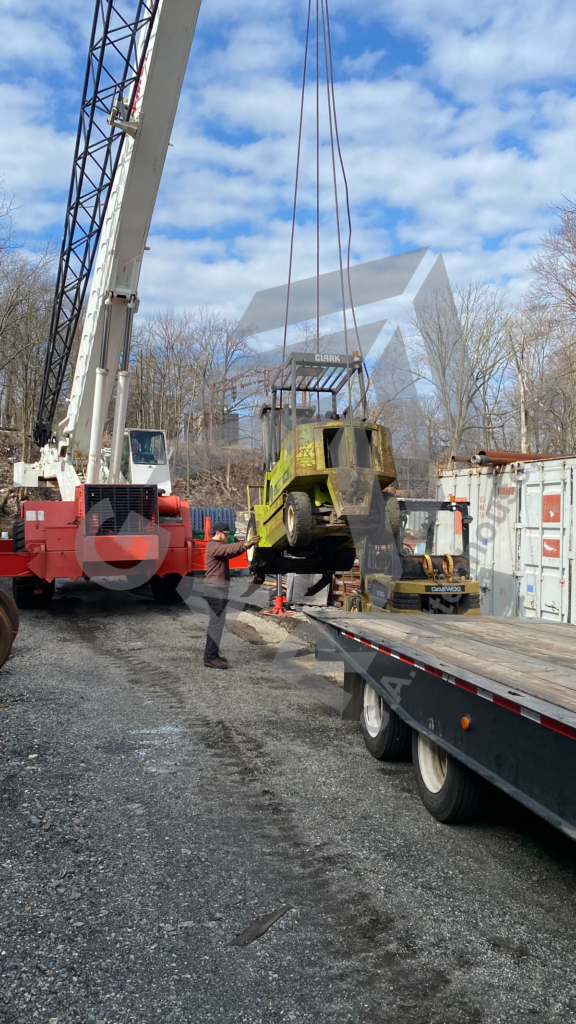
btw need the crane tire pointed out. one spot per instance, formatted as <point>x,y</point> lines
<point>8,605</point>
<point>298,519</point>
<point>450,791</point>
<point>386,735</point>
<point>165,588</point>
<point>31,592</point>
<point>6,637</point>
<point>18,543</point>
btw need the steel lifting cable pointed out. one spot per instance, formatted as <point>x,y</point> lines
<point>330,105</point>
<point>345,179</point>
<point>299,150</point>
<point>317,180</point>
<point>346,192</point>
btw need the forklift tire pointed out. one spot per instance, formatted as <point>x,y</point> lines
<point>342,559</point>
<point>261,561</point>
<point>31,592</point>
<point>251,531</point>
<point>393,514</point>
<point>298,519</point>
<point>385,519</point>
<point>386,735</point>
<point>450,791</point>
<point>164,588</point>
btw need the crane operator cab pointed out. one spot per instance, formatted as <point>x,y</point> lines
<point>145,459</point>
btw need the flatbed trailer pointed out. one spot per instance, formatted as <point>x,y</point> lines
<point>478,700</point>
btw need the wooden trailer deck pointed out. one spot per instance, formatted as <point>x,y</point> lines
<point>535,657</point>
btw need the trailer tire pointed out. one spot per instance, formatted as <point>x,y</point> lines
<point>31,592</point>
<point>450,791</point>
<point>386,735</point>
<point>164,588</point>
<point>298,519</point>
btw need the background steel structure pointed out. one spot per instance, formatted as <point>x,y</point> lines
<point>118,46</point>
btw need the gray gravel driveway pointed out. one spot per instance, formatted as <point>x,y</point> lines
<point>151,809</point>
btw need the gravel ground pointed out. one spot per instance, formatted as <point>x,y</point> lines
<point>152,808</point>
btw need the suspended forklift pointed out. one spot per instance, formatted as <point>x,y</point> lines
<point>325,473</point>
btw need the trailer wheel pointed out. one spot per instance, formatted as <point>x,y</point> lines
<point>386,735</point>
<point>450,791</point>
<point>31,592</point>
<point>298,519</point>
<point>164,588</point>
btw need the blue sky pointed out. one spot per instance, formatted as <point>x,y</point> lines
<point>458,128</point>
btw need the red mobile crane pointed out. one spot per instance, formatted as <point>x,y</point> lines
<point>117,514</point>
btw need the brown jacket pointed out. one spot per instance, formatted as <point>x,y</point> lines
<point>217,558</point>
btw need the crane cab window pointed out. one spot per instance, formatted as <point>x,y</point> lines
<point>148,447</point>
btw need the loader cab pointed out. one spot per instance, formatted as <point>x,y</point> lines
<point>145,459</point>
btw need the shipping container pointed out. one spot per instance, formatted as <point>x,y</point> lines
<point>521,535</point>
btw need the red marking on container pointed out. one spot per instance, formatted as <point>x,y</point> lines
<point>551,505</point>
<point>458,520</point>
<point>551,547</point>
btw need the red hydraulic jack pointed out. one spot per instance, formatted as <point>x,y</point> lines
<point>279,601</point>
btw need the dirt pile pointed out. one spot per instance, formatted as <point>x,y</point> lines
<point>223,487</point>
<point>10,496</point>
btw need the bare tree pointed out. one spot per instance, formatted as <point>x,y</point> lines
<point>26,289</point>
<point>459,344</point>
<point>554,268</point>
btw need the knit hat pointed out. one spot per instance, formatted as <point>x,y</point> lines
<point>220,527</point>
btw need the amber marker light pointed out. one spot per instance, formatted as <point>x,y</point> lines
<point>465,722</point>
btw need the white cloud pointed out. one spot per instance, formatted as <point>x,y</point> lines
<point>364,64</point>
<point>463,153</point>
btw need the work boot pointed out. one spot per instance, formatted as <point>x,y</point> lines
<point>216,663</point>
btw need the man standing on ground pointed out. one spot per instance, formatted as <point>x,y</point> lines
<point>217,583</point>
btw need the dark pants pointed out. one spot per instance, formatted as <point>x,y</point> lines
<point>217,609</point>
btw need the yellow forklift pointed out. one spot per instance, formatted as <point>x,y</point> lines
<point>412,573</point>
